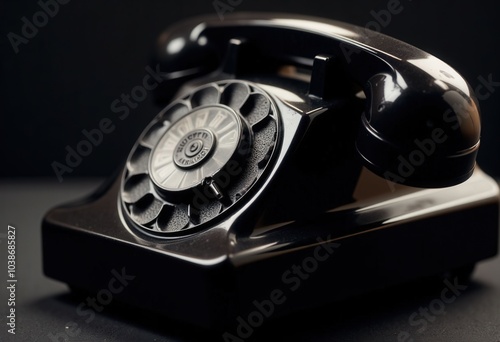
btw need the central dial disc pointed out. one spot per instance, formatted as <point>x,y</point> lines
<point>197,146</point>
<point>194,148</point>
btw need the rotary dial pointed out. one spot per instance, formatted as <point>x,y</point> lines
<point>199,157</point>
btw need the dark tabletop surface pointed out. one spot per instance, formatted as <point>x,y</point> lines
<point>44,306</point>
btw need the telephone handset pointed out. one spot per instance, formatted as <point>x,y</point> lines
<point>280,135</point>
<point>409,92</point>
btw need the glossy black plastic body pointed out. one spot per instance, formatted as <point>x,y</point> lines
<point>319,207</point>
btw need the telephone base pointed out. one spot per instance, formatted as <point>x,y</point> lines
<point>371,244</point>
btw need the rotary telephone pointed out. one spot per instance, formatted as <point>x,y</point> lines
<point>296,160</point>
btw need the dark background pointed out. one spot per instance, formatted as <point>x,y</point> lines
<point>66,77</point>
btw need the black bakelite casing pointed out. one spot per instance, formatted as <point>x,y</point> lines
<point>347,107</point>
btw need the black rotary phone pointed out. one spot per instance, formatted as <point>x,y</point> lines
<point>296,161</point>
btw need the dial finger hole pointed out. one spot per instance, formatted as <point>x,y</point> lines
<point>136,187</point>
<point>165,216</point>
<point>203,213</point>
<point>175,112</point>
<point>210,211</point>
<point>264,139</point>
<point>235,95</point>
<point>176,220</point>
<point>248,176</point>
<point>206,96</point>
<point>138,162</point>
<point>256,108</point>
<point>154,134</point>
<point>146,210</point>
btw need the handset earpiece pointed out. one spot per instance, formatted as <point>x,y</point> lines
<point>421,122</point>
<point>180,57</point>
<point>422,136</point>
